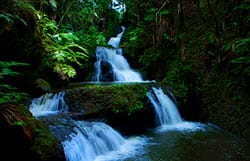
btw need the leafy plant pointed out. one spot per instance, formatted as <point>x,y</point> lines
<point>10,19</point>
<point>175,78</point>
<point>62,48</point>
<point>242,45</point>
<point>133,37</point>
<point>9,93</point>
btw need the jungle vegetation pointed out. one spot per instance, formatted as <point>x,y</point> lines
<point>199,48</point>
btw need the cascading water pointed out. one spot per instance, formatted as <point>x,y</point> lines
<point>119,6</point>
<point>166,110</point>
<point>91,139</point>
<point>49,103</point>
<point>115,41</point>
<point>111,65</point>
<point>84,141</point>
<point>95,141</point>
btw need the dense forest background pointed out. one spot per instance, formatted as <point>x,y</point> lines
<point>199,48</point>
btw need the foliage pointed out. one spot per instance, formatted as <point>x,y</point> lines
<point>89,21</point>
<point>150,16</point>
<point>150,55</point>
<point>242,60</point>
<point>85,18</point>
<point>175,78</point>
<point>62,48</point>
<point>9,93</point>
<point>10,18</point>
<point>133,39</point>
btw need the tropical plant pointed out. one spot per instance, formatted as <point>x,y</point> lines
<point>8,93</point>
<point>62,48</point>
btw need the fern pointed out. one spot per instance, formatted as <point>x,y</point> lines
<point>62,48</point>
<point>6,70</point>
<point>9,93</point>
<point>65,70</point>
<point>242,45</point>
<point>7,17</point>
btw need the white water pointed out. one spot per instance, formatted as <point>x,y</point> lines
<point>91,140</point>
<point>166,111</point>
<point>115,41</point>
<point>97,141</point>
<point>48,103</point>
<point>120,68</point>
<point>118,6</point>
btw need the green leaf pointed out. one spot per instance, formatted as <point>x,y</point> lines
<point>68,36</point>
<point>65,70</point>
<point>18,123</point>
<point>7,17</point>
<point>164,12</point>
<point>150,17</point>
<point>241,60</point>
<point>53,3</point>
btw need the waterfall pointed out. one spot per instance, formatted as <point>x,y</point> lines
<point>82,140</point>
<point>91,139</point>
<point>48,103</point>
<point>166,110</point>
<point>115,41</point>
<point>118,6</point>
<point>111,65</point>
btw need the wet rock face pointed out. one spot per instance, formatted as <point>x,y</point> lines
<point>107,72</point>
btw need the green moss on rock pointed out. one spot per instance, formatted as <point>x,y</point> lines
<point>45,145</point>
<point>116,98</point>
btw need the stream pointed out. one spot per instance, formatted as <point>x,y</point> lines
<point>173,139</point>
<point>187,141</point>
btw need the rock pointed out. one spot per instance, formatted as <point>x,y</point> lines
<point>107,72</point>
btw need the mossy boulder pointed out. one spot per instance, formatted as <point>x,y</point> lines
<point>123,106</point>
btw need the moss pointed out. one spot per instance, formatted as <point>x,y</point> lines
<point>128,98</point>
<point>117,98</point>
<point>121,98</point>
<point>45,144</point>
<point>44,85</point>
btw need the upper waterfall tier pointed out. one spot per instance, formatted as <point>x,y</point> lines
<point>115,41</point>
<point>112,66</point>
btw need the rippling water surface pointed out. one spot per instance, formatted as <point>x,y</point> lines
<point>186,141</point>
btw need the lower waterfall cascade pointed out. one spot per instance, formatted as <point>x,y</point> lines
<point>97,141</point>
<point>86,141</point>
<point>165,108</point>
<point>91,139</point>
<point>171,140</point>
